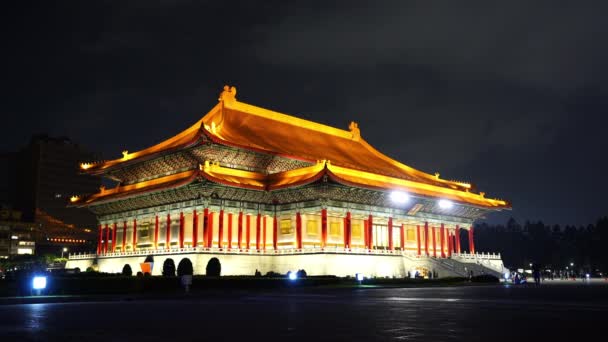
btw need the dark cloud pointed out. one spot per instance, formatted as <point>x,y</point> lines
<point>510,97</point>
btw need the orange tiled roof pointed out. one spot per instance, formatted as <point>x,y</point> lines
<point>291,178</point>
<point>171,181</point>
<point>343,175</point>
<point>239,124</point>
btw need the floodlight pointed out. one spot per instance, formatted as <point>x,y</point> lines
<point>292,275</point>
<point>39,283</point>
<point>359,276</point>
<point>399,197</point>
<point>445,204</point>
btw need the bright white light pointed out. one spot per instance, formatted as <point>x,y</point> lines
<point>571,264</point>
<point>15,237</point>
<point>359,276</point>
<point>399,197</point>
<point>507,275</point>
<point>587,275</point>
<point>292,275</point>
<point>445,204</point>
<point>39,283</point>
<point>65,249</point>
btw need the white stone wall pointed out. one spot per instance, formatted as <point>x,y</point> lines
<point>246,264</point>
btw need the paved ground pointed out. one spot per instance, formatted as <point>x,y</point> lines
<point>559,311</point>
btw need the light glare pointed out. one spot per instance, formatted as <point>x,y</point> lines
<point>445,204</point>
<point>359,277</point>
<point>292,275</point>
<point>39,283</point>
<point>399,197</point>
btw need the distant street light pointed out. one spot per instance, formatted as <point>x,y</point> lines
<point>65,249</point>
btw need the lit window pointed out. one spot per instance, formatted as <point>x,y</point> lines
<point>286,227</point>
<point>312,228</point>
<point>355,231</point>
<point>334,229</point>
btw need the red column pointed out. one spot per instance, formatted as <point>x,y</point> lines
<point>347,230</point>
<point>402,242</point>
<point>229,230</point>
<point>168,233</point>
<point>114,237</point>
<point>240,229</point>
<point>205,226</point>
<point>210,230</point>
<point>220,229</point>
<point>156,225</point>
<point>194,228</point>
<point>323,228</point>
<point>258,231</point>
<point>418,237</point>
<point>366,234</point>
<point>442,240</point>
<point>449,244</point>
<point>471,241</point>
<point>134,242</point>
<point>275,231</point>
<point>457,239</point>
<point>264,219</point>
<point>390,233</point>
<point>247,231</point>
<point>426,238</point>
<point>370,229</point>
<point>181,230</point>
<point>434,241</point>
<point>106,242</point>
<point>298,230</point>
<point>100,239</point>
<point>124,236</point>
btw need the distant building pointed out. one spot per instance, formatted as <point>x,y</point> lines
<point>37,181</point>
<point>16,238</point>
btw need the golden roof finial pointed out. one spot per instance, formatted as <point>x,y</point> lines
<point>482,194</point>
<point>353,127</point>
<point>437,175</point>
<point>125,154</point>
<point>228,94</point>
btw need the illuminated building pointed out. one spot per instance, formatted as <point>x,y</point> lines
<point>261,190</point>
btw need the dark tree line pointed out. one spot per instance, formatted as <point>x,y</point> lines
<point>548,246</point>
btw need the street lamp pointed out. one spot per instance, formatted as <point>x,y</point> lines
<point>65,249</point>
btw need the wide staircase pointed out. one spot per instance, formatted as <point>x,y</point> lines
<point>461,265</point>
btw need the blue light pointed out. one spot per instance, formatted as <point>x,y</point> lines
<point>39,283</point>
<point>359,276</point>
<point>292,275</point>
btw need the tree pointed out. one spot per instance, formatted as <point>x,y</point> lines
<point>169,268</point>
<point>214,268</point>
<point>184,267</point>
<point>127,271</point>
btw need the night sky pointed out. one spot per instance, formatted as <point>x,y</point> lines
<point>512,99</point>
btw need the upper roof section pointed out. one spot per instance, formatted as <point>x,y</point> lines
<point>238,124</point>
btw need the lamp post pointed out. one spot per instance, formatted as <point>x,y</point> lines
<point>63,250</point>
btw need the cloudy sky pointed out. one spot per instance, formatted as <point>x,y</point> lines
<point>510,97</point>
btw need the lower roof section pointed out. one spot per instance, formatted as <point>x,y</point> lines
<point>290,179</point>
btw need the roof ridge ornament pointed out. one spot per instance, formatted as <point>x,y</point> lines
<point>228,94</point>
<point>353,127</point>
